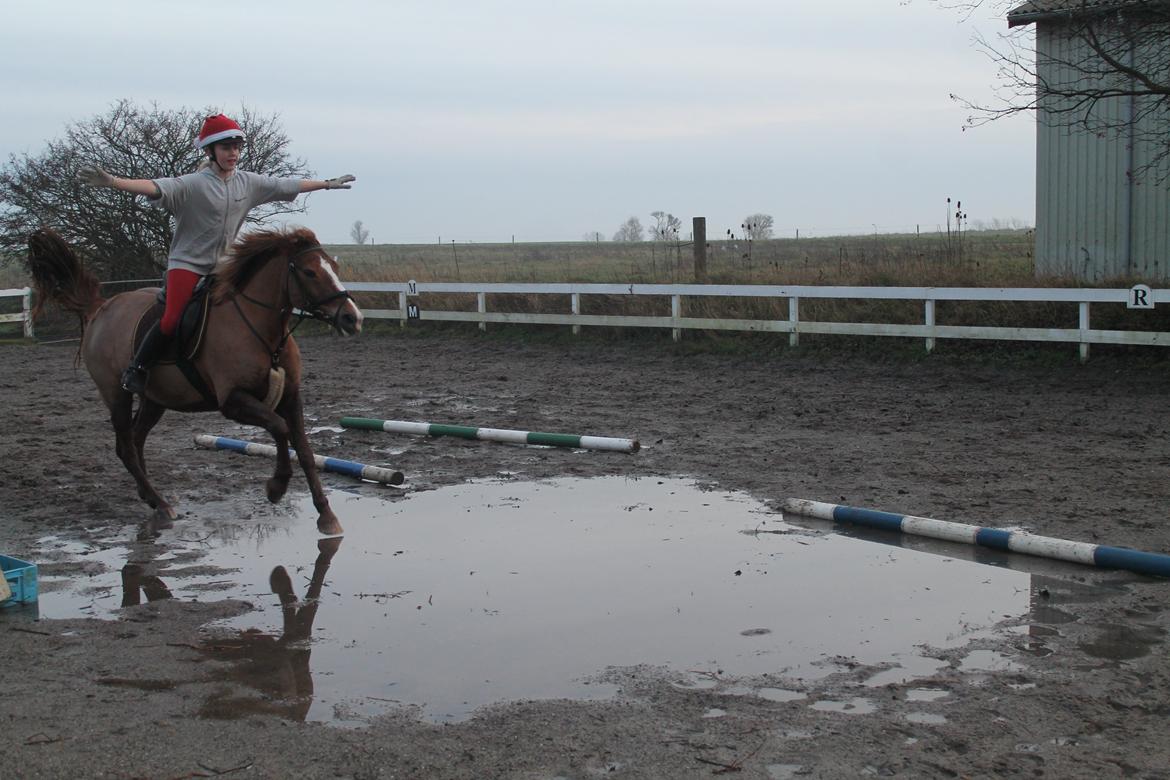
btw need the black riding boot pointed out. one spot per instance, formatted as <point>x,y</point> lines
<point>153,343</point>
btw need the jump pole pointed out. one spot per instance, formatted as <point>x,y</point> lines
<point>1100,555</point>
<point>493,434</point>
<point>336,465</point>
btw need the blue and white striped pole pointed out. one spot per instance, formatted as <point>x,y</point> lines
<point>1100,555</point>
<point>336,465</point>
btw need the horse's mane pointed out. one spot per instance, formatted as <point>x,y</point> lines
<point>250,253</point>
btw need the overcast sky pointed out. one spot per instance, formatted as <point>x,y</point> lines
<point>547,120</point>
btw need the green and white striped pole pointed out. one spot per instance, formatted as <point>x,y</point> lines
<point>493,434</point>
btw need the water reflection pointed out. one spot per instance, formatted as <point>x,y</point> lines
<point>275,665</point>
<point>493,591</point>
<point>136,583</point>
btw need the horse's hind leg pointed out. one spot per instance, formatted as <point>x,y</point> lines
<point>147,416</point>
<point>129,452</point>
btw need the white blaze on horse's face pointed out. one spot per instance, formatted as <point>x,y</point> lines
<point>349,319</point>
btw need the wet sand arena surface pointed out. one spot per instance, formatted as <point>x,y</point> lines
<point>452,599</point>
<point>808,663</point>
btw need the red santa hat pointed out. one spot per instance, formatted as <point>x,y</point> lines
<point>218,128</point>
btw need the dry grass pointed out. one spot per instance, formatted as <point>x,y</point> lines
<point>985,259</point>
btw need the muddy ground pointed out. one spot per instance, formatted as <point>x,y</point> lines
<point>1077,452</point>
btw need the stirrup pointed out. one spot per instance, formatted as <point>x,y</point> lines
<point>134,380</point>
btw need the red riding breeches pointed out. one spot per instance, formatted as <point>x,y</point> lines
<point>180,284</point>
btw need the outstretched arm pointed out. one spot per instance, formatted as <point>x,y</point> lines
<point>96,177</point>
<point>340,183</point>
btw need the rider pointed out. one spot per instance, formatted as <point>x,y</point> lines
<point>209,207</point>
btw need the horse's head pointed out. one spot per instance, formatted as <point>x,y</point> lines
<point>311,282</point>
<point>315,288</point>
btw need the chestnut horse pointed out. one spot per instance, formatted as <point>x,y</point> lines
<point>265,278</point>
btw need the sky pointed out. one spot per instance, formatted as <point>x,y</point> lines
<point>547,120</point>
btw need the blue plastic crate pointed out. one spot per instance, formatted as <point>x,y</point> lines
<point>22,579</point>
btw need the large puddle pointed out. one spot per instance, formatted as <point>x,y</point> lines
<point>494,591</point>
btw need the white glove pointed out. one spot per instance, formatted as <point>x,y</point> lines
<point>95,177</point>
<point>340,183</point>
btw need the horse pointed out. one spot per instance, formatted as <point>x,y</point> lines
<point>264,279</point>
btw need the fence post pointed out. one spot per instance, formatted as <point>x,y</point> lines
<point>1084,326</point>
<point>930,325</point>
<point>575,306</point>
<point>402,308</point>
<point>675,313</point>
<point>481,307</point>
<point>794,318</point>
<point>699,247</point>
<point>26,305</point>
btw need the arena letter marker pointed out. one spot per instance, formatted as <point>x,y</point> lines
<point>1100,555</point>
<point>493,434</point>
<point>336,465</point>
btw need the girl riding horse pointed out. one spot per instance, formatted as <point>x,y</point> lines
<point>209,207</point>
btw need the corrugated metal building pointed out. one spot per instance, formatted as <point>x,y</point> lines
<point>1098,214</point>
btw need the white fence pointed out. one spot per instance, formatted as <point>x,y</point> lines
<point>24,315</point>
<point>1138,297</point>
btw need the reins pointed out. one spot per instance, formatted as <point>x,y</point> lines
<point>311,310</point>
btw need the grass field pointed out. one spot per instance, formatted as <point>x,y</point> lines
<point>981,259</point>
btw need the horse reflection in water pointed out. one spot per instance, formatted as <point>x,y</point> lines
<point>136,583</point>
<point>277,666</point>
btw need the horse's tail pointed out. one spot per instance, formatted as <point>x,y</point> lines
<point>59,277</point>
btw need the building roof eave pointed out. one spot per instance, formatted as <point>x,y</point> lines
<point>1048,10</point>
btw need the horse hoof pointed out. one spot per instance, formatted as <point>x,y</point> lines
<point>329,525</point>
<point>276,489</point>
<point>164,517</point>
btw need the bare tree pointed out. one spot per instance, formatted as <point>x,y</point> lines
<point>121,234</point>
<point>757,227</point>
<point>1095,66</point>
<point>630,230</point>
<point>666,226</point>
<point>358,233</point>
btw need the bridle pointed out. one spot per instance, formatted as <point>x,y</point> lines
<point>310,310</point>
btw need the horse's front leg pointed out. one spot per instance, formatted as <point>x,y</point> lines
<point>291,410</point>
<point>247,409</point>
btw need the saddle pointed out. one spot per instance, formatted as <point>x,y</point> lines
<point>192,325</point>
<point>184,347</point>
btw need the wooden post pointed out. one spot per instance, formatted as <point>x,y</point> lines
<point>930,325</point>
<point>26,307</point>
<point>700,248</point>
<point>1083,311</point>
<point>675,313</point>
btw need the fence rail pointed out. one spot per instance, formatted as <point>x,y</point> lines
<point>1140,297</point>
<point>25,314</point>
